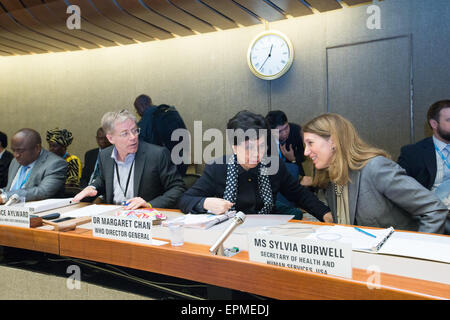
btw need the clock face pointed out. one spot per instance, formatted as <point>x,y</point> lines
<point>270,55</point>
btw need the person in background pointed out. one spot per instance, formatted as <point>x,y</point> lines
<point>290,143</point>
<point>34,173</point>
<point>133,173</point>
<point>91,170</point>
<point>428,161</point>
<point>364,187</point>
<point>58,141</point>
<point>241,181</point>
<point>5,159</point>
<point>157,125</point>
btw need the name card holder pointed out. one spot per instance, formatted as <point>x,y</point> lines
<point>15,216</point>
<point>122,228</point>
<point>318,256</point>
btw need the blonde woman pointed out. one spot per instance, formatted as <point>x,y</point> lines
<point>362,185</point>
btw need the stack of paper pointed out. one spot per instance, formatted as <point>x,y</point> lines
<point>406,244</point>
<point>201,221</point>
<point>91,210</point>
<point>360,241</point>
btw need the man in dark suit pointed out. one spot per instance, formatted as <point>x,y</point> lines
<point>428,161</point>
<point>132,172</point>
<point>290,139</point>
<point>90,169</point>
<point>157,125</point>
<point>5,159</point>
<point>34,173</point>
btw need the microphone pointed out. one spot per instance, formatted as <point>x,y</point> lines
<point>217,247</point>
<point>12,200</point>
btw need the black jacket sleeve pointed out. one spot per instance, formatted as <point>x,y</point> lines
<point>192,200</point>
<point>300,195</point>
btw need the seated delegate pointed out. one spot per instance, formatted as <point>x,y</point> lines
<point>239,182</point>
<point>34,173</point>
<point>362,186</point>
<point>133,172</point>
<point>58,142</point>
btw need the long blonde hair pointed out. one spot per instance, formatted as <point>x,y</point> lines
<point>350,151</point>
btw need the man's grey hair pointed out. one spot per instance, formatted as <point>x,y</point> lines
<point>109,119</point>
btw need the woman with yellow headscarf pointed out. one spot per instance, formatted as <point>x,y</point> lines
<point>58,141</point>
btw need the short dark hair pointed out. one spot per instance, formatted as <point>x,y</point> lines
<point>276,118</point>
<point>143,100</point>
<point>245,121</point>
<point>3,140</point>
<point>435,110</point>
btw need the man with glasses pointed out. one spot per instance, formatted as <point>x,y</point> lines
<point>34,173</point>
<point>132,172</point>
<point>91,169</point>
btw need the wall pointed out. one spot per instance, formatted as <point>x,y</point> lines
<point>206,76</point>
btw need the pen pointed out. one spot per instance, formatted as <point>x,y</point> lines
<point>365,232</point>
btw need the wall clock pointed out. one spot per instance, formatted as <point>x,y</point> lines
<point>270,55</point>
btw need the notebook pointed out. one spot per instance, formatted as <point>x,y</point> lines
<point>360,240</point>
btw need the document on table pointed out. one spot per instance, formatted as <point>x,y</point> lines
<point>91,210</point>
<point>257,221</point>
<point>48,204</point>
<point>363,239</point>
<point>201,221</point>
<point>407,244</point>
<point>416,245</point>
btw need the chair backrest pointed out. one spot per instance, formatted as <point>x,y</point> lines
<point>70,191</point>
<point>190,179</point>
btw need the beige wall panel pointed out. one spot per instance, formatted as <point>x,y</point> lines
<point>301,92</point>
<point>207,78</point>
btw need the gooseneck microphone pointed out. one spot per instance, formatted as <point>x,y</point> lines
<point>217,247</point>
<point>12,200</point>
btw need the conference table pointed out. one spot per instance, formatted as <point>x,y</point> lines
<point>193,261</point>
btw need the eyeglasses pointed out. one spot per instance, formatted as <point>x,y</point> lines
<point>127,133</point>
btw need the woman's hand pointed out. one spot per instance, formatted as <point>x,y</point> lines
<point>217,205</point>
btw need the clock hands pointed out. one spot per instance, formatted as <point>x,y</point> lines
<point>270,54</point>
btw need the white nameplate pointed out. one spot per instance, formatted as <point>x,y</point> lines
<point>15,216</point>
<point>302,254</point>
<point>122,228</point>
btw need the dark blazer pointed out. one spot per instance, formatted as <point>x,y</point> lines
<point>156,179</point>
<point>212,184</point>
<point>4,166</point>
<point>90,158</point>
<point>419,161</point>
<point>46,179</point>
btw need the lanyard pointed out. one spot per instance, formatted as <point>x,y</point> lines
<point>128,179</point>
<point>26,178</point>
<point>442,157</point>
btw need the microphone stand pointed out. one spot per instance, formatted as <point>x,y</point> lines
<point>217,248</point>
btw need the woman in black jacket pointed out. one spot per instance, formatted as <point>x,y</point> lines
<point>242,181</point>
